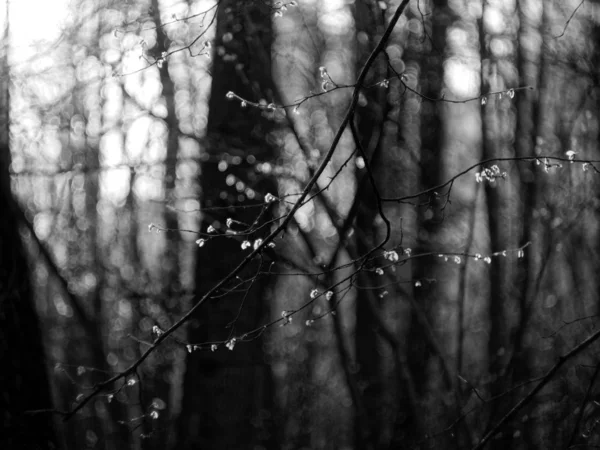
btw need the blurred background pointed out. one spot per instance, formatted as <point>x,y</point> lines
<point>147,146</point>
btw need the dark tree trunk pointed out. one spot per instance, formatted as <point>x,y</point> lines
<point>226,401</point>
<point>23,377</point>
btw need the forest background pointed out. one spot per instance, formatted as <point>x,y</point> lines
<point>302,224</point>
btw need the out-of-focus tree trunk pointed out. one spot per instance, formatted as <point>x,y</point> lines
<point>24,383</point>
<point>161,383</point>
<point>226,402</point>
<point>370,23</point>
<point>313,357</point>
<point>454,297</point>
<point>393,145</point>
<point>505,221</point>
<point>23,378</point>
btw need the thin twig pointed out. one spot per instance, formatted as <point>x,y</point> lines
<point>569,20</point>
<point>282,226</point>
<point>544,381</point>
<point>583,403</point>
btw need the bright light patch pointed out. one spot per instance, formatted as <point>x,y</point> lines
<point>111,148</point>
<point>114,185</point>
<point>335,17</point>
<point>36,23</point>
<point>137,138</point>
<point>460,78</point>
<point>493,20</point>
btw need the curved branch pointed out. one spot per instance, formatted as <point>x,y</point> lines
<point>259,249</point>
<point>543,382</point>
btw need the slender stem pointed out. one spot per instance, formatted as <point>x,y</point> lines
<point>543,382</point>
<point>256,252</point>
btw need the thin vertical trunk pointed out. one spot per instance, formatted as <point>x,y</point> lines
<point>453,302</point>
<point>502,209</point>
<point>317,396</point>
<point>371,125</point>
<point>160,384</point>
<point>395,165</point>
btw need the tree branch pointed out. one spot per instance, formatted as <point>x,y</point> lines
<point>256,252</point>
<point>545,380</point>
